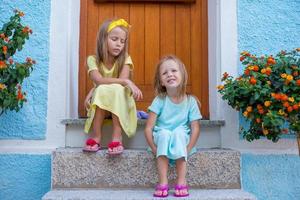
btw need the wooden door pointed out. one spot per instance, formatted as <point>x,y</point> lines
<point>157,28</point>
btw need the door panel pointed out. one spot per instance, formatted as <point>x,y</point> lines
<point>157,29</point>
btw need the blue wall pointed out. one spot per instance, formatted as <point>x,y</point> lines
<point>271,177</point>
<point>30,122</point>
<point>24,176</point>
<point>266,27</point>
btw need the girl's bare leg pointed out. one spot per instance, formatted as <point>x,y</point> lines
<point>116,134</point>
<point>162,166</point>
<point>181,169</point>
<point>97,126</point>
<point>117,129</point>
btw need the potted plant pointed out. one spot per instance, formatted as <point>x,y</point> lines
<point>12,38</point>
<point>267,94</point>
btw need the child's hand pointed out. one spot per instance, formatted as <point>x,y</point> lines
<point>136,92</point>
<point>154,149</point>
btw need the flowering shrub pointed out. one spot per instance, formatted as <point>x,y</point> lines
<point>12,38</point>
<point>267,94</point>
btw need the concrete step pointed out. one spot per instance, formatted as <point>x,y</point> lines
<point>75,137</point>
<point>207,169</point>
<point>145,194</point>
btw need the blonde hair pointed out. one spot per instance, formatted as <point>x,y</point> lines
<point>102,49</point>
<point>161,90</point>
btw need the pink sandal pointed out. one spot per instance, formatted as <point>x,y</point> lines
<point>115,148</point>
<point>162,189</point>
<point>179,188</point>
<point>91,142</point>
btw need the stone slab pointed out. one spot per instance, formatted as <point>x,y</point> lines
<point>207,169</point>
<point>146,194</point>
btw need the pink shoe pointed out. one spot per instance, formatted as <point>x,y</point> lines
<point>115,148</point>
<point>180,188</point>
<point>162,189</point>
<point>91,145</point>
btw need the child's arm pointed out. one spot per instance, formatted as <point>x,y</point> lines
<point>87,101</point>
<point>149,131</point>
<point>195,126</point>
<point>123,79</point>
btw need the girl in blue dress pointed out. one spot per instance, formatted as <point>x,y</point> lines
<point>173,125</point>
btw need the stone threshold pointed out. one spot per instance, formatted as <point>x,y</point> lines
<point>142,122</point>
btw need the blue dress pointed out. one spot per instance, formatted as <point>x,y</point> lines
<point>171,133</point>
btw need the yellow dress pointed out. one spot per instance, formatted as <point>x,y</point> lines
<point>114,98</point>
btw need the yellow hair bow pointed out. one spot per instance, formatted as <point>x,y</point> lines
<point>119,22</point>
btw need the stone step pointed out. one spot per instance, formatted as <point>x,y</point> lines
<point>207,169</point>
<point>145,194</point>
<point>209,134</point>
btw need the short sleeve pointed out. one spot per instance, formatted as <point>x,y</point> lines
<point>194,112</point>
<point>156,105</point>
<point>129,62</point>
<point>91,63</point>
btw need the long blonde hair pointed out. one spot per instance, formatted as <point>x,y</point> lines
<point>102,49</point>
<point>161,90</point>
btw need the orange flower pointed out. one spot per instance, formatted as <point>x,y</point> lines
<point>249,108</point>
<point>261,111</point>
<point>247,72</point>
<point>286,104</point>
<point>252,81</point>
<point>4,49</point>
<point>20,96</point>
<point>225,75</point>
<point>242,58</point>
<point>289,77</point>
<point>245,114</point>
<point>2,64</point>
<point>267,103</point>
<point>281,112</point>
<point>298,82</point>
<point>271,61</point>
<point>263,71</point>
<point>284,97</point>
<point>268,71</point>
<point>2,86</point>
<point>255,68</point>
<point>220,87</point>
<point>258,120</point>
<point>265,132</point>
<point>259,107</point>
<point>295,107</point>
<point>283,75</point>
<point>290,109</point>
<point>295,73</point>
<point>291,99</point>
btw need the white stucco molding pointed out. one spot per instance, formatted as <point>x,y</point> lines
<point>227,60</point>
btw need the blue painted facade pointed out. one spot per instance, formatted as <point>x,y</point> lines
<point>271,177</point>
<point>24,176</point>
<point>30,122</point>
<point>267,27</point>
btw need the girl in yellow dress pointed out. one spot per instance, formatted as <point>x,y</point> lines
<point>114,93</point>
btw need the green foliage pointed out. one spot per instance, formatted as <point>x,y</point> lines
<point>12,38</point>
<point>267,93</point>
